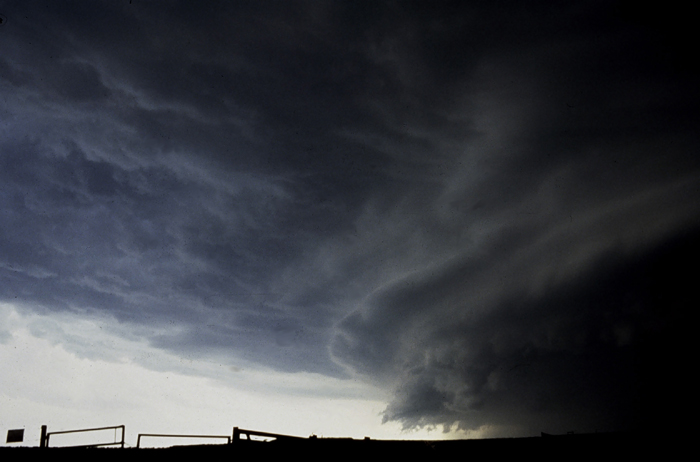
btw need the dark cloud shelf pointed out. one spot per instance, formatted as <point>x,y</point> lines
<point>470,216</point>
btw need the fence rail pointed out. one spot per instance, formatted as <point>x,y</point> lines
<point>237,432</point>
<point>44,443</point>
<point>160,435</point>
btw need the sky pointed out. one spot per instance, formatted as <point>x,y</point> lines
<point>394,219</point>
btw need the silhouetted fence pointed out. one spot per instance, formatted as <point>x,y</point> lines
<point>160,435</point>
<point>44,443</point>
<point>237,432</point>
<point>237,436</point>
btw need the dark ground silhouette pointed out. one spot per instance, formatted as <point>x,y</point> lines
<point>609,446</point>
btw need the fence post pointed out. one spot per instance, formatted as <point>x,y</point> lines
<point>42,441</point>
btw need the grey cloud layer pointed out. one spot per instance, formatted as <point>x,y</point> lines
<point>434,197</point>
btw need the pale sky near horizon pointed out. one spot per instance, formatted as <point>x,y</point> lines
<point>75,390</point>
<point>394,219</point>
<point>67,390</point>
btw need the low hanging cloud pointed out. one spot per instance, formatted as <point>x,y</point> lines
<point>471,349</point>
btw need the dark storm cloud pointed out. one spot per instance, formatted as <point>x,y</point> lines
<point>445,198</point>
<point>471,349</point>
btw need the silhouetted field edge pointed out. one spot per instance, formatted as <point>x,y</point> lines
<point>577,447</point>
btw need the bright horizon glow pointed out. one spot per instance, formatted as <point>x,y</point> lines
<point>53,385</point>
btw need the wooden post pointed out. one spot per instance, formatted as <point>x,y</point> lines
<point>42,441</point>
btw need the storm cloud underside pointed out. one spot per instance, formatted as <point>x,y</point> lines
<point>486,209</point>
